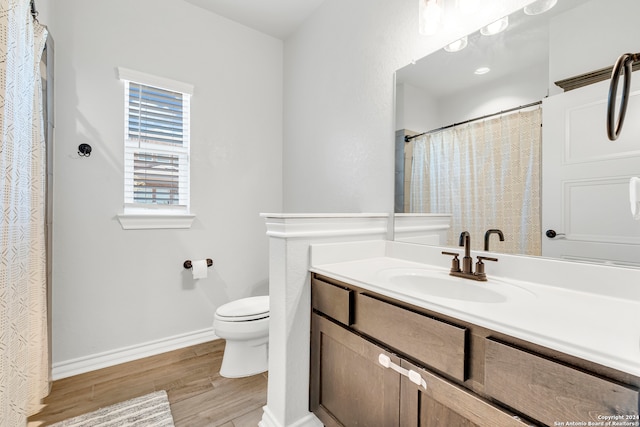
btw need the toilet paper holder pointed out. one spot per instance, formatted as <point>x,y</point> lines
<point>187,264</point>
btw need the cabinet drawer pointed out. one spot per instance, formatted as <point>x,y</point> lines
<point>332,300</point>
<point>433,342</point>
<point>551,392</point>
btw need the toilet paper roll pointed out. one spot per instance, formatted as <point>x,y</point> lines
<point>199,269</point>
<point>634,197</point>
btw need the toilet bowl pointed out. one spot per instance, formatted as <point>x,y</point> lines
<point>244,324</point>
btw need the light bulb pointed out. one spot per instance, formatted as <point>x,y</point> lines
<point>495,27</point>
<point>430,16</point>
<point>540,6</point>
<point>457,45</point>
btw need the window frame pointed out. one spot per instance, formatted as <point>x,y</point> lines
<point>156,215</point>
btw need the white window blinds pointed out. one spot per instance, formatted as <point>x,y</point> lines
<point>156,145</point>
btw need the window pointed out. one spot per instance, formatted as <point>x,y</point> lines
<point>156,144</point>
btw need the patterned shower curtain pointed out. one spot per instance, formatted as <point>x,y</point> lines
<point>24,370</point>
<point>487,175</point>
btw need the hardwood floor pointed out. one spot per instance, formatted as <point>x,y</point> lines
<point>198,395</point>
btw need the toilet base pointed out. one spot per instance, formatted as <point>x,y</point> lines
<point>244,358</point>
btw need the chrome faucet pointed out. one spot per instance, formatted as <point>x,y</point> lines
<point>467,265</point>
<point>489,233</point>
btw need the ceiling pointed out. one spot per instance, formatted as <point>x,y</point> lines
<point>277,18</point>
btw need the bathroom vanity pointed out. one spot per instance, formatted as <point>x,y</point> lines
<point>387,349</point>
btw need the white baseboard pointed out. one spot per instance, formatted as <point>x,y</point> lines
<point>269,420</point>
<point>127,354</point>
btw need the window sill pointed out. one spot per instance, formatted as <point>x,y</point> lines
<point>143,221</point>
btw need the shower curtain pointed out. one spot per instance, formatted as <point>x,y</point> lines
<point>24,370</point>
<point>487,175</point>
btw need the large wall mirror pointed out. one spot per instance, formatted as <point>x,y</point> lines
<point>509,134</point>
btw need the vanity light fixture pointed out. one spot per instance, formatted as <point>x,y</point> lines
<point>457,45</point>
<point>482,70</point>
<point>495,27</point>
<point>539,6</point>
<point>430,16</point>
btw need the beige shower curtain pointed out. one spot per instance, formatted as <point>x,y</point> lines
<point>24,370</point>
<point>487,175</point>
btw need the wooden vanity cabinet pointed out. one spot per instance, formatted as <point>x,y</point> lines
<point>473,376</point>
<point>349,386</point>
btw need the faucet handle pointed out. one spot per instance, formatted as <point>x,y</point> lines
<point>480,266</point>
<point>455,262</point>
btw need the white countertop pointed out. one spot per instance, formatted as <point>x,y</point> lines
<point>598,321</point>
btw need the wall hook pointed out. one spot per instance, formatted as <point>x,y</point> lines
<point>84,150</point>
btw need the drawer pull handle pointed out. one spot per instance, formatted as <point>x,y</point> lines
<point>413,376</point>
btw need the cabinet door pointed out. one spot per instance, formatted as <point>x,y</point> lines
<point>348,385</point>
<point>444,404</point>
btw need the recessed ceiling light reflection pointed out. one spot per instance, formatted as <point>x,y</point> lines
<point>457,45</point>
<point>482,70</point>
<point>495,27</point>
<point>540,6</point>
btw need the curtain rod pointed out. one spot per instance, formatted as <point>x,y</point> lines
<point>408,138</point>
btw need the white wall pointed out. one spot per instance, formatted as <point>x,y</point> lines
<point>339,99</point>
<point>114,288</point>
<point>416,109</point>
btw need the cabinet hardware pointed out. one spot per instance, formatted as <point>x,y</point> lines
<point>413,376</point>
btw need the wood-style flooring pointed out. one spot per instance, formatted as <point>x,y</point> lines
<point>198,395</point>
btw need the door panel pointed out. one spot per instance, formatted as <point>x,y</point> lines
<point>585,177</point>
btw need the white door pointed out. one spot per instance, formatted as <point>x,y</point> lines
<point>585,177</point>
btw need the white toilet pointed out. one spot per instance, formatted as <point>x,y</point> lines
<point>244,324</point>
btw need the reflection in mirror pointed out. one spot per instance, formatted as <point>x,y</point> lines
<point>475,155</point>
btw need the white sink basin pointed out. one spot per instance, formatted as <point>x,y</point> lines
<point>438,283</point>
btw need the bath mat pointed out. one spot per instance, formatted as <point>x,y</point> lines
<point>148,410</point>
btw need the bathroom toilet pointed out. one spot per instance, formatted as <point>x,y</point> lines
<point>244,324</point>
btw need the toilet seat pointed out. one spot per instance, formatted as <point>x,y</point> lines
<point>245,309</point>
